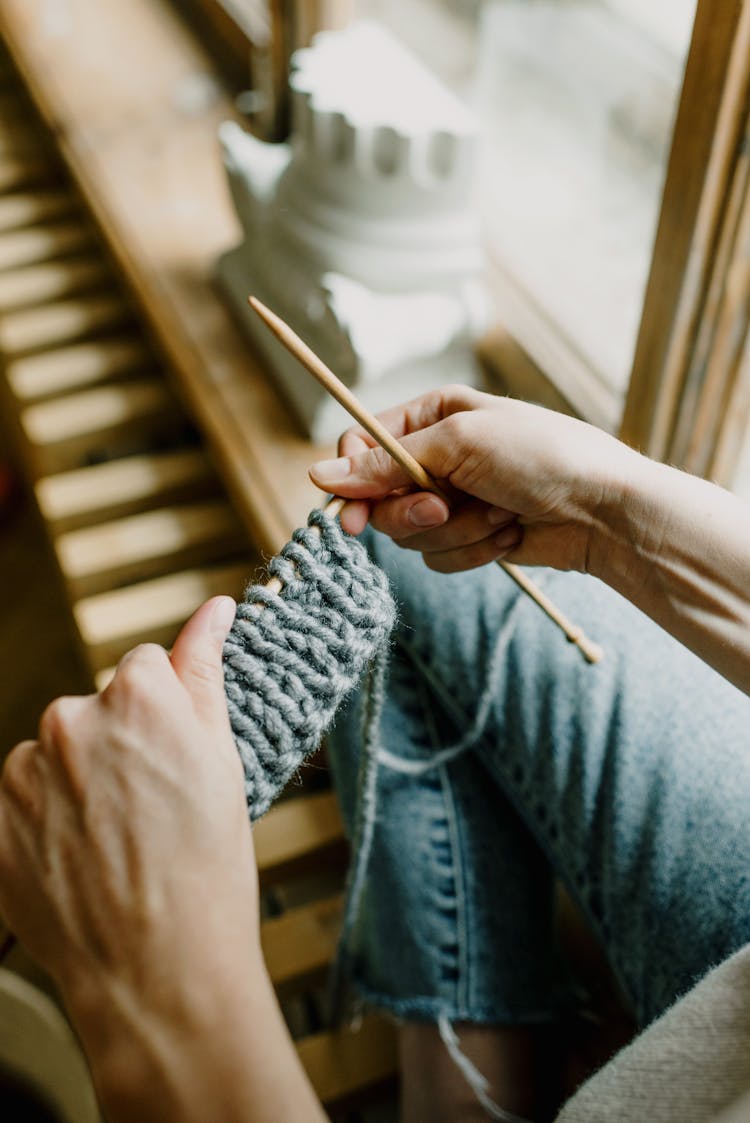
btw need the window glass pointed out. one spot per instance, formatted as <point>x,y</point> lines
<point>577,100</point>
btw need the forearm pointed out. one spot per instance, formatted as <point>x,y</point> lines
<point>224,1056</point>
<point>679,548</point>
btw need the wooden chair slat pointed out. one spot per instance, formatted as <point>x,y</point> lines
<point>76,366</point>
<point>93,410</point>
<point>54,325</point>
<point>91,425</point>
<point>119,487</point>
<point>20,134</point>
<point>342,1063</point>
<point>43,243</point>
<point>294,831</point>
<point>52,280</point>
<point>26,208</point>
<point>300,945</point>
<point>23,171</point>
<point>140,546</point>
<point>151,611</point>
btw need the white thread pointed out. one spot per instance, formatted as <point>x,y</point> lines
<point>470,738</point>
<point>478,1083</point>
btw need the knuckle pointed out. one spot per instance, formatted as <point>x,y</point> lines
<point>485,553</point>
<point>379,461</point>
<point>341,443</point>
<point>461,428</point>
<point>15,776</point>
<point>381,518</point>
<point>350,441</point>
<point>62,733</point>
<point>137,669</point>
<point>56,721</point>
<point>469,443</point>
<point>145,655</point>
<point>479,553</point>
<point>456,395</point>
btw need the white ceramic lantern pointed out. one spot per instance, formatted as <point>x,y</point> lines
<point>359,232</point>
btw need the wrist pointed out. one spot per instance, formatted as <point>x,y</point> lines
<point>159,1052</point>
<point>627,523</point>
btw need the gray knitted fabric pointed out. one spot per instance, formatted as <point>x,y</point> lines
<point>292,657</point>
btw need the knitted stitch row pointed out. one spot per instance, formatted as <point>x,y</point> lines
<point>291,658</point>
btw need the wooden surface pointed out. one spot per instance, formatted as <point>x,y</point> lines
<point>713,408</point>
<point>136,547</point>
<point>710,411</point>
<point>687,231</point>
<point>86,496</point>
<point>51,280</point>
<point>299,946</point>
<point>297,830</point>
<point>33,206</point>
<point>26,247</point>
<point>712,312</point>
<point>37,647</point>
<point>125,494</point>
<point>60,434</point>
<point>340,1064</point>
<point>146,159</point>
<point>150,612</point>
<point>75,366</point>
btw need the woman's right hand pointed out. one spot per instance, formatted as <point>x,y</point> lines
<point>527,484</point>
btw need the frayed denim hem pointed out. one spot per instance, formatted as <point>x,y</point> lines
<point>430,1009</point>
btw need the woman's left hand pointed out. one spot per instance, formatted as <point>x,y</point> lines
<point>125,849</point>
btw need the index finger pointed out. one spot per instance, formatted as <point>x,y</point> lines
<point>410,417</point>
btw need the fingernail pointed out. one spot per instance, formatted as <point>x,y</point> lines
<point>222,616</point>
<point>427,512</point>
<point>332,471</point>
<point>498,515</point>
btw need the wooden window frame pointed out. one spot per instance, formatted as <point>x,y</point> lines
<point>687,399</point>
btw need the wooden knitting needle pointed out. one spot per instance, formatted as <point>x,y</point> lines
<point>332,508</point>
<point>343,395</point>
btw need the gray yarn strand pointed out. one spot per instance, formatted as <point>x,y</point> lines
<point>363,832</point>
<point>291,658</point>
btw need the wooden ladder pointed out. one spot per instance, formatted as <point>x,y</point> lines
<point>143,531</point>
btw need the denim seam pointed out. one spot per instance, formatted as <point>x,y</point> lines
<point>426,1007</point>
<point>462,987</point>
<point>449,809</point>
<point>429,682</point>
<point>452,704</point>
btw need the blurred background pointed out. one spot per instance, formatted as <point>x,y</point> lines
<point>549,198</point>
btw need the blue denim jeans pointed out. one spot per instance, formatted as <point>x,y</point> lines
<point>506,761</point>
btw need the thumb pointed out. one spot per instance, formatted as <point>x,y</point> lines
<point>197,651</point>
